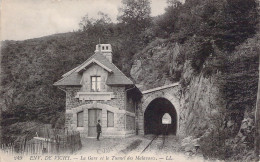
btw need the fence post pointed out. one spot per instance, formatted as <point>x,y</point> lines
<point>61,140</point>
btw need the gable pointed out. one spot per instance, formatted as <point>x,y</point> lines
<point>115,76</point>
<point>91,62</point>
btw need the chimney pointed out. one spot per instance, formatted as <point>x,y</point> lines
<point>105,49</point>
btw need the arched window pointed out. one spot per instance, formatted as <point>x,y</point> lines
<point>110,119</point>
<point>80,119</point>
<point>166,119</point>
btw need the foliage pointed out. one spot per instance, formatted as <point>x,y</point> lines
<point>135,14</point>
<point>31,67</point>
<point>214,146</point>
<point>173,3</point>
<point>97,28</point>
<point>238,86</point>
<point>216,39</point>
<point>29,70</point>
<point>87,22</point>
<point>228,23</point>
<point>220,144</point>
<point>19,131</point>
<point>165,25</point>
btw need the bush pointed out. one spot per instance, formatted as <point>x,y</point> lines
<point>214,146</point>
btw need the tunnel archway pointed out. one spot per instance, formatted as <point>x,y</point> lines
<point>153,114</point>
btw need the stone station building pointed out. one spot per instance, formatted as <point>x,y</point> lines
<point>98,90</point>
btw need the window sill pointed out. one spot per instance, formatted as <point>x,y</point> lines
<point>80,128</point>
<point>94,96</point>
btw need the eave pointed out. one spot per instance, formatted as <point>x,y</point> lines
<point>83,68</point>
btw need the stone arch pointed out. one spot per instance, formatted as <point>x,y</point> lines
<point>96,105</point>
<point>174,101</point>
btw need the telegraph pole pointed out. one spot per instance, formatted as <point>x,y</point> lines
<point>257,111</point>
<point>257,118</point>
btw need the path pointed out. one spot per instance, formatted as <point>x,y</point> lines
<point>162,149</point>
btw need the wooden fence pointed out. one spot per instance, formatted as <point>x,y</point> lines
<point>52,141</point>
<point>8,148</point>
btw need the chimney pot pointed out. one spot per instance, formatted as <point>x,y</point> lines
<point>105,49</point>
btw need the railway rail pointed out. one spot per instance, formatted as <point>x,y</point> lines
<point>158,140</point>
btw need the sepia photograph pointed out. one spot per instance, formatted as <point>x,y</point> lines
<point>129,80</point>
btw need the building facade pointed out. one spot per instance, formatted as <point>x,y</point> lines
<point>98,90</point>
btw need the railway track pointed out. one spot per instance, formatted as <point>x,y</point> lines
<point>157,142</point>
<point>155,137</point>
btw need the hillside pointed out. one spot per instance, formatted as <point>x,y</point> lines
<point>29,69</point>
<point>220,98</point>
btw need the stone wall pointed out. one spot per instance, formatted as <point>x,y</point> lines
<point>130,104</point>
<point>71,101</point>
<point>130,122</point>
<point>118,101</point>
<point>116,105</point>
<point>119,128</point>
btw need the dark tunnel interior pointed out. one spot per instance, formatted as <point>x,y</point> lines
<point>153,117</point>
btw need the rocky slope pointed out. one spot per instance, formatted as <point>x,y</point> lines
<point>157,65</point>
<point>219,97</point>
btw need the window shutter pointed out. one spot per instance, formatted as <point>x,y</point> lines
<point>80,119</point>
<point>110,119</point>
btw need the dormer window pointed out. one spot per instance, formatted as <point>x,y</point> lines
<point>95,83</point>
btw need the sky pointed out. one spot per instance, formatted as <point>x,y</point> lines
<point>25,19</point>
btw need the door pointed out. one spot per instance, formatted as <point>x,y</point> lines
<point>93,116</point>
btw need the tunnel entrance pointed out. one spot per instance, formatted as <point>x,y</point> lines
<point>153,117</point>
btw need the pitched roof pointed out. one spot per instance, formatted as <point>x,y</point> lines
<point>115,77</point>
<point>83,67</point>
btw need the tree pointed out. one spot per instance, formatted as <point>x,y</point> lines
<point>229,23</point>
<point>87,23</point>
<point>257,111</point>
<point>173,3</point>
<point>103,18</point>
<point>135,14</point>
<point>165,24</point>
<point>99,27</point>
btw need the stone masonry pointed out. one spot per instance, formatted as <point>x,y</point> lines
<point>169,92</point>
<point>115,105</point>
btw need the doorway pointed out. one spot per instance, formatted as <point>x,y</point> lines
<point>93,116</point>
